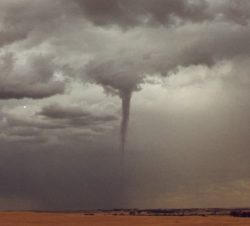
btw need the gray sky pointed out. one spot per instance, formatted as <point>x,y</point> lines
<point>65,67</point>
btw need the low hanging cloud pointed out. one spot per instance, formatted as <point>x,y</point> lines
<point>132,13</point>
<point>35,78</point>
<point>128,69</point>
<point>55,121</point>
<point>162,12</point>
<point>76,116</point>
<point>20,20</point>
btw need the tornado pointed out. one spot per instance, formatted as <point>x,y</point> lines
<point>125,98</point>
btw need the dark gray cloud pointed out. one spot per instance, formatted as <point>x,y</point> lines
<point>237,12</point>
<point>116,75</point>
<point>35,78</point>
<point>132,13</point>
<point>75,115</point>
<point>162,12</point>
<point>204,44</point>
<point>22,19</point>
<point>55,122</point>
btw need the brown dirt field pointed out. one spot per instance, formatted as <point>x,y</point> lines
<point>77,219</point>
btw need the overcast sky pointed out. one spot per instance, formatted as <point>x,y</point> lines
<point>65,68</point>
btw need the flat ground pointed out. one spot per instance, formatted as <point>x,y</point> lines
<point>78,219</point>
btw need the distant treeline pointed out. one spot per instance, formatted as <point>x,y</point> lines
<point>240,213</point>
<point>235,212</point>
<point>171,212</point>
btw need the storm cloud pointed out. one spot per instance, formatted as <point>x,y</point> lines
<point>35,78</point>
<point>162,12</point>
<point>174,73</point>
<point>75,115</point>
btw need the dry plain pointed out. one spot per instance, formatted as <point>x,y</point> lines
<point>79,219</point>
